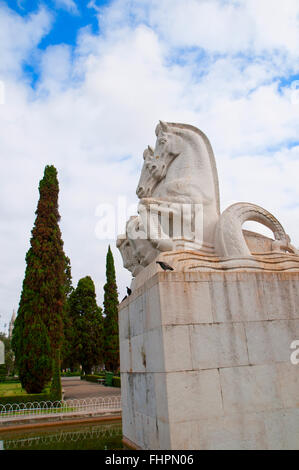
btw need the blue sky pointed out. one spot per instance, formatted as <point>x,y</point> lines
<point>66,21</point>
<point>68,17</point>
<point>85,84</point>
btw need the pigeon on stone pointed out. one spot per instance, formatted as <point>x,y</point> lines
<point>129,291</point>
<point>164,266</point>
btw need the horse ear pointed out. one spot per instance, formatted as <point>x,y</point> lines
<point>150,149</point>
<point>163,126</point>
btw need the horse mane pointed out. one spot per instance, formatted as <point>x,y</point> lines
<point>210,152</point>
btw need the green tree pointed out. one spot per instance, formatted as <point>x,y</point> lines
<point>111,340</point>
<point>87,324</point>
<point>56,389</point>
<point>67,356</point>
<point>9,355</point>
<point>35,365</point>
<point>37,333</point>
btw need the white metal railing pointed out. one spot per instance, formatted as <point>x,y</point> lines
<point>44,408</point>
<point>99,432</point>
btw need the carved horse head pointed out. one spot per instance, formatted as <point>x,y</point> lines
<point>183,152</point>
<point>146,181</point>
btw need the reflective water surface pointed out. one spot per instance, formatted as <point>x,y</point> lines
<point>71,437</point>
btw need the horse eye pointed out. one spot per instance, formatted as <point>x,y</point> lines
<point>162,141</point>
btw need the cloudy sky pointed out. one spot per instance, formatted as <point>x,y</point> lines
<point>85,83</point>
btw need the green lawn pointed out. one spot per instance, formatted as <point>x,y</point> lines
<point>7,389</point>
<point>12,389</point>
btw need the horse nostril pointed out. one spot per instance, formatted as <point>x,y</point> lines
<point>140,190</point>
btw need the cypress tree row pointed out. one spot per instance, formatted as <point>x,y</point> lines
<point>67,356</point>
<point>111,341</point>
<point>87,325</point>
<point>56,389</point>
<point>37,333</point>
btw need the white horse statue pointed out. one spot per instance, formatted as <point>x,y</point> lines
<point>184,169</point>
<point>178,187</point>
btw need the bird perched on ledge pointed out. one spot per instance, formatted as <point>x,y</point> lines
<point>129,291</point>
<point>164,266</point>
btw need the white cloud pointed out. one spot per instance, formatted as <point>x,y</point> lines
<point>92,4</point>
<point>19,38</point>
<point>228,26</point>
<point>94,111</point>
<point>69,5</point>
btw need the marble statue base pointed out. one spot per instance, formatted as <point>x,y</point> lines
<point>205,359</point>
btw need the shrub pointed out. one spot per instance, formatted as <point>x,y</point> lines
<point>10,380</point>
<point>92,378</point>
<point>70,374</point>
<point>2,373</point>
<point>36,397</point>
<point>116,382</point>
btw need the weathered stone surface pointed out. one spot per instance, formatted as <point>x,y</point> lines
<point>269,341</point>
<point>282,429</point>
<point>152,308</point>
<point>289,384</point>
<point>193,395</point>
<point>138,353</point>
<point>185,303</point>
<point>137,316</point>
<point>216,375</point>
<point>230,299</point>
<point>155,358</point>
<point>250,388</point>
<point>128,407</point>
<point>218,345</point>
<point>242,432</point>
<point>126,355</point>
<point>124,324</point>
<point>177,348</point>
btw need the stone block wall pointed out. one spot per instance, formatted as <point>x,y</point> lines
<point>205,361</point>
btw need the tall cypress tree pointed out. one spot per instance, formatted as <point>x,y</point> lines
<point>111,340</point>
<point>37,332</point>
<point>87,323</point>
<point>67,356</point>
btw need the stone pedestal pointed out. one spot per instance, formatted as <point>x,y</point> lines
<point>205,360</point>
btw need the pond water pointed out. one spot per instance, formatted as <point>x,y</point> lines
<point>107,436</point>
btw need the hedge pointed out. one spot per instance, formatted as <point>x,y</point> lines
<point>10,380</point>
<point>92,378</point>
<point>2,372</point>
<point>37,397</point>
<point>116,382</point>
<point>70,374</point>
